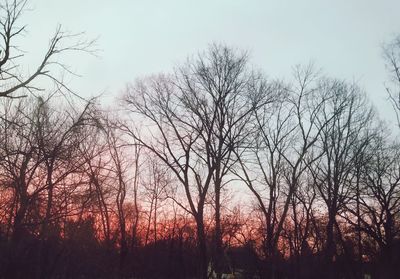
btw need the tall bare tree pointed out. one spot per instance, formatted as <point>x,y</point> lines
<point>378,204</point>
<point>282,151</point>
<point>342,139</point>
<point>198,117</point>
<point>391,55</point>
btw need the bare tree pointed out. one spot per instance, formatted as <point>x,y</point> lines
<point>119,168</point>
<point>155,101</point>
<point>137,156</point>
<point>222,95</point>
<point>342,139</point>
<point>155,193</point>
<point>391,55</point>
<point>281,152</point>
<point>195,120</point>
<point>57,137</point>
<point>14,81</point>
<point>375,215</point>
<point>39,158</point>
<point>19,161</point>
<point>95,152</point>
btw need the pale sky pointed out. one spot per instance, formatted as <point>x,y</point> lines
<point>141,37</point>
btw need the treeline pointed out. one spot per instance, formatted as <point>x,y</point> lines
<point>208,172</point>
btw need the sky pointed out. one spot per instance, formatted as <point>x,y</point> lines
<point>140,37</point>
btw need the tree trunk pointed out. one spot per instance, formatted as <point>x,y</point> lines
<point>330,248</point>
<point>202,248</point>
<point>218,253</point>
